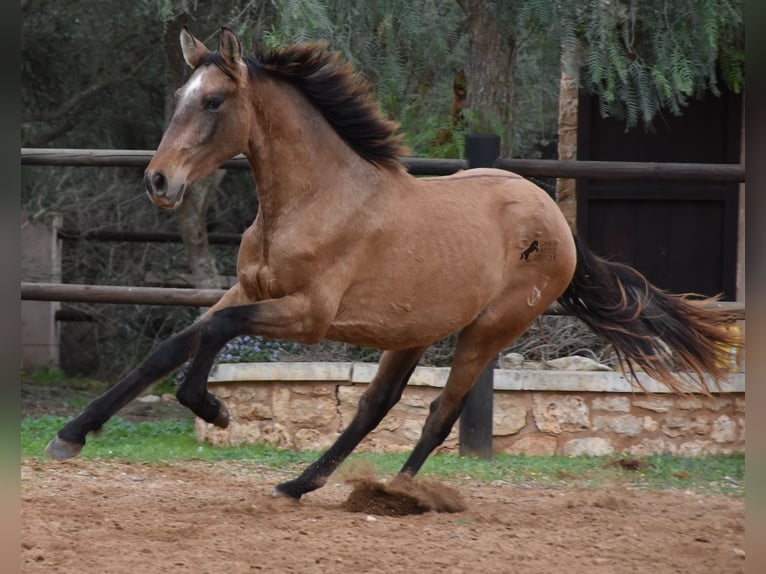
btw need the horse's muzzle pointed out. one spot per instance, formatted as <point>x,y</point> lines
<point>161,191</point>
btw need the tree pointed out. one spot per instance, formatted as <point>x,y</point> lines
<point>78,61</point>
<point>640,57</point>
<point>645,57</point>
<point>491,62</point>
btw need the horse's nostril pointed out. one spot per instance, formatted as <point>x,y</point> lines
<point>156,183</point>
<point>159,182</point>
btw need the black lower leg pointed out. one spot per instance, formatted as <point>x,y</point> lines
<point>316,474</point>
<point>193,393</point>
<point>169,355</point>
<point>435,431</point>
<point>373,406</point>
<point>217,331</point>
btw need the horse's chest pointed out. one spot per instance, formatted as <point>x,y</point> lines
<point>260,282</point>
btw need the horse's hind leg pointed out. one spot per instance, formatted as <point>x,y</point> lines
<point>384,392</point>
<point>476,346</point>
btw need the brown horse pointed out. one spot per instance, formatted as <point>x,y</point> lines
<point>348,246</point>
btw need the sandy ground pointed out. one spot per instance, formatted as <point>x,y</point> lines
<point>89,516</point>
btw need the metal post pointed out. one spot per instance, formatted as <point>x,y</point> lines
<point>476,417</point>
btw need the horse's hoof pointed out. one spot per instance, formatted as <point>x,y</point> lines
<point>222,418</point>
<point>61,449</point>
<point>285,490</point>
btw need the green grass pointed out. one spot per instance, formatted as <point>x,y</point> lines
<point>169,440</point>
<point>55,376</point>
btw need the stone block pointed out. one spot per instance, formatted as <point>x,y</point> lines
<point>211,433</point>
<point>696,403</point>
<point>611,404</point>
<point>695,448</point>
<point>509,417</point>
<point>418,399</point>
<point>534,445</point>
<point>724,430</point>
<point>223,391</point>
<point>243,433</point>
<point>412,429</point>
<point>390,423</point>
<point>650,424</point>
<point>312,439</point>
<point>280,402</point>
<point>690,403</point>
<point>312,411</point>
<point>594,446</point>
<point>625,425</point>
<point>276,435</point>
<point>349,394</point>
<point>682,426</point>
<point>250,402</point>
<point>560,413</point>
<point>649,446</point>
<point>654,404</point>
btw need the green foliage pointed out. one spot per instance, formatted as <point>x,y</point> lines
<point>645,57</point>
<point>407,50</point>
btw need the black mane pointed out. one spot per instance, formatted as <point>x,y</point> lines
<point>340,94</point>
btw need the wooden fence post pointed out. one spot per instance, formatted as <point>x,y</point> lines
<point>40,261</point>
<point>476,418</point>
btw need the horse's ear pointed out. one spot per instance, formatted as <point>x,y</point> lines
<point>192,48</point>
<point>231,47</point>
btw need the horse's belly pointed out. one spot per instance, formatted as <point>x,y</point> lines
<point>407,332</point>
<point>408,315</point>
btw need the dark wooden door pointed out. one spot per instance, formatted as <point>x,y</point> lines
<point>682,236</point>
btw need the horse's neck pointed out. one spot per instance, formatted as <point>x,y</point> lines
<point>298,159</point>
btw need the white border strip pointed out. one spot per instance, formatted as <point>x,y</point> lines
<point>504,379</point>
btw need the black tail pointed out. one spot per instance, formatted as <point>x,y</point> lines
<point>664,334</point>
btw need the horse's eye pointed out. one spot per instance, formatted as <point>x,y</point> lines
<point>213,104</point>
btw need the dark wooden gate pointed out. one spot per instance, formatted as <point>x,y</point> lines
<point>682,236</point>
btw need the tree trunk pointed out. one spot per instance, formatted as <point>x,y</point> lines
<point>192,225</point>
<point>566,189</point>
<point>489,74</point>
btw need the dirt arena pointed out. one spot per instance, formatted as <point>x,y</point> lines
<point>97,517</point>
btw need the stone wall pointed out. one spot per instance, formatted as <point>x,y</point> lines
<point>306,405</point>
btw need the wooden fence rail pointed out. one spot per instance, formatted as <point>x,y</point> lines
<point>427,166</point>
<point>78,293</point>
<point>145,236</point>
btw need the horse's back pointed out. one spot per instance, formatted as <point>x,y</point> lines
<point>505,205</point>
<point>449,248</point>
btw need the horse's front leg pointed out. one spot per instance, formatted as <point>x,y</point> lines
<point>168,356</point>
<point>162,361</point>
<point>384,392</point>
<point>284,318</point>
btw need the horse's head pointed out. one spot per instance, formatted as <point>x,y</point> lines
<point>210,123</point>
